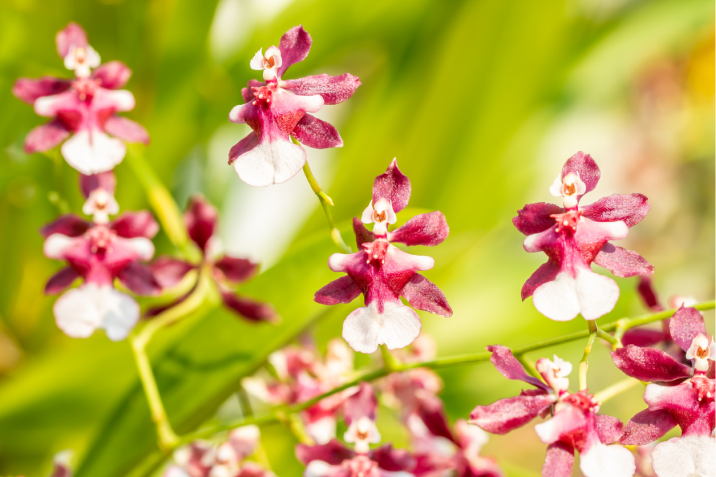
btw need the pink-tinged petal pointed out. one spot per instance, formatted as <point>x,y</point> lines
<point>642,337</point>
<point>565,297</point>
<point>333,89</point>
<point>343,290</point>
<point>584,165</point>
<point>91,152</point>
<point>126,129</point>
<point>139,278</point>
<point>270,162</point>
<point>250,309</point>
<point>104,180</point>
<point>135,224</point>
<point>363,403</point>
<point>294,47</point>
<point>200,219</point>
<point>649,364</point>
<point>648,293</point>
<point>76,313</point>
<point>109,101</point>
<point>432,412</point>
<point>685,325</point>
<point>61,280</point>
<point>681,400</point>
<point>333,453</point>
<point>600,460</point>
<point>363,235</point>
<point>508,414</point>
<point>392,460</point>
<point>72,35</point>
<point>243,146</point>
<point>646,427</point>
<point>68,224</point>
<point>609,428</point>
<point>168,271</point>
<point>394,186</point>
<point>509,367</point>
<point>536,218</point>
<point>252,469</point>
<point>50,106</point>
<point>622,262</point>
<point>112,75</point>
<point>120,314</point>
<point>236,270</point>
<point>564,422</point>
<point>316,133</point>
<point>28,90</point>
<point>685,457</point>
<point>366,328</point>
<point>559,460</point>
<point>546,272</point>
<point>424,229</point>
<point>319,468</point>
<point>422,294</point>
<point>45,137</point>
<point>630,209</point>
<point>57,245</point>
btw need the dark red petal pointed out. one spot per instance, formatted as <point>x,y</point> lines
<point>200,219</point>
<point>237,270</point>
<point>648,293</point>
<point>510,368</point>
<point>394,186</point>
<point>642,337</point>
<point>126,129</point>
<point>649,364</point>
<point>422,294</point>
<point>71,35</point>
<point>630,209</point>
<point>112,75</point>
<point>316,133</point>
<point>333,89</point>
<point>545,273</point>
<point>61,280</point>
<point>363,403</point>
<point>363,235</point>
<point>584,165</point>
<point>28,90</point>
<point>333,453</point>
<point>168,271</point>
<point>392,460</point>
<point>68,224</point>
<point>252,469</point>
<point>622,262</point>
<point>424,229</point>
<point>294,47</point>
<point>248,308</point>
<point>536,218</point>
<point>559,460</point>
<point>139,279</point>
<point>243,146</point>
<point>135,224</point>
<point>508,414</point>
<point>103,180</point>
<point>45,136</point>
<point>609,428</point>
<point>646,427</point>
<point>432,412</point>
<point>343,290</point>
<point>686,323</point>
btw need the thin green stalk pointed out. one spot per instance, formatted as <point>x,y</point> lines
<point>615,389</point>
<point>528,364</point>
<point>389,361</point>
<point>584,363</point>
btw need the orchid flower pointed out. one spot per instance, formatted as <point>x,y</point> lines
<point>574,425</point>
<point>82,109</point>
<point>383,273</point>
<point>573,237</point>
<point>277,109</point>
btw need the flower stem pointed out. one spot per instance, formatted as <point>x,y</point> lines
<point>528,364</point>
<point>615,389</point>
<point>389,361</point>
<point>584,363</point>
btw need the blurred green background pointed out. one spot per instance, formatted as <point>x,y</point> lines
<point>480,101</point>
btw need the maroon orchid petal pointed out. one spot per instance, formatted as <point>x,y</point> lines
<point>72,35</point>
<point>333,89</point>
<point>200,219</point>
<point>392,460</point>
<point>139,279</point>
<point>28,90</point>
<point>294,47</point>
<point>686,323</point>
<point>559,460</point>
<point>248,308</point>
<point>46,136</point>
<point>363,235</point>
<point>242,147</point>
<point>510,368</point>
<point>343,290</point>
<point>103,180</point>
<point>168,271</point>
<point>236,270</point>
<point>112,75</point>
<point>609,428</point>
<point>646,427</point>
<point>648,294</point>
<point>68,224</point>
<point>642,337</point>
<point>508,414</point>
<point>252,469</point>
<point>394,186</point>
<point>362,403</point>
<point>126,129</point>
<point>545,273</point>
<point>432,412</point>
<point>422,294</point>
<point>333,453</point>
<point>621,262</point>
<point>536,218</point>
<point>584,165</point>
<point>424,229</point>
<point>135,224</point>
<point>316,133</point>
<point>630,209</point>
<point>61,280</point>
<point>649,364</point>
<point>248,93</point>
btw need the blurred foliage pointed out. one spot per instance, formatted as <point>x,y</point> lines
<point>481,101</point>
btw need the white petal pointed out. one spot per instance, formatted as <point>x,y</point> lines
<point>120,99</point>
<point>76,311</point>
<point>607,461</point>
<point>93,60</point>
<point>257,62</point>
<point>55,245</point>
<point>556,187</point>
<point>120,314</point>
<point>256,387</point>
<point>271,162</point>
<point>175,471</point>
<point>398,326</point>
<point>685,457</point>
<point>143,247</point>
<point>93,153</point>
<point>273,51</point>
<point>339,262</point>
<point>318,468</point>
<point>322,430</point>
<point>565,297</point>
<point>367,217</point>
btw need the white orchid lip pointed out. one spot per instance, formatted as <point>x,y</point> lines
<point>269,62</point>
<point>555,373</point>
<point>362,432</point>
<point>570,187</point>
<point>100,204</point>
<point>701,351</point>
<point>81,60</point>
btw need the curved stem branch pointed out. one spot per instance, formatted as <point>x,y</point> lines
<point>615,389</point>
<point>584,363</point>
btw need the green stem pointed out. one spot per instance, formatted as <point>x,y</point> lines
<point>528,364</point>
<point>584,363</point>
<point>389,361</point>
<point>615,389</point>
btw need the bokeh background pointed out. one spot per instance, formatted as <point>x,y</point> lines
<point>480,101</point>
